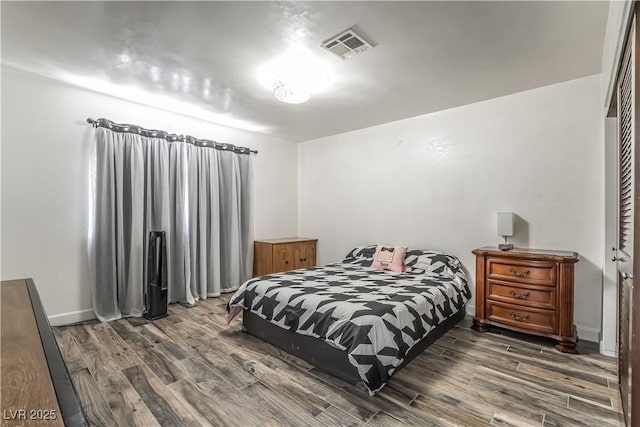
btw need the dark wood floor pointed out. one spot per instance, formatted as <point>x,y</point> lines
<point>192,369</point>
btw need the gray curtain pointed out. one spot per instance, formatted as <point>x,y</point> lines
<point>200,196</point>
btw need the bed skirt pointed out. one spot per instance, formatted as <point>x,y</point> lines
<point>326,357</point>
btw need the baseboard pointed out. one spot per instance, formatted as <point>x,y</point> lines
<point>471,310</point>
<point>588,334</point>
<point>610,353</point>
<point>71,317</point>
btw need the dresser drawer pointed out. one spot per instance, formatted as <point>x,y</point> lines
<point>533,319</point>
<point>522,294</point>
<point>526,272</point>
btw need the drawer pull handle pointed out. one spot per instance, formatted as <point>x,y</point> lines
<point>517,274</point>
<point>519,318</point>
<point>519,296</point>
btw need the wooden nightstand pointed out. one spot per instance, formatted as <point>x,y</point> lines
<point>526,290</point>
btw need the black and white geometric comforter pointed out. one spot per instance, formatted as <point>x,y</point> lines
<point>374,315</point>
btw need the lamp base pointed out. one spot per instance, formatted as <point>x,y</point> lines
<point>505,246</point>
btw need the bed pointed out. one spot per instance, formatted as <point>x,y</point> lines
<point>356,322</point>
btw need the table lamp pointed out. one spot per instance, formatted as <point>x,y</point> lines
<point>505,229</point>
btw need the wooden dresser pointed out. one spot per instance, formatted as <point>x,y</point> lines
<point>36,386</point>
<point>526,290</point>
<point>277,255</point>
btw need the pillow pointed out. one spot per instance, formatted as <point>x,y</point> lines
<point>361,255</point>
<point>366,252</point>
<point>428,261</point>
<point>389,258</point>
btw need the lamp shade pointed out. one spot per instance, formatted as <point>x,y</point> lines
<point>505,223</point>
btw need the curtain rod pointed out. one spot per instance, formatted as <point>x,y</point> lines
<point>117,127</point>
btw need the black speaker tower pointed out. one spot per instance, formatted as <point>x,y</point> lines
<point>155,301</point>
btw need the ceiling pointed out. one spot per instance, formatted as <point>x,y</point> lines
<point>427,56</point>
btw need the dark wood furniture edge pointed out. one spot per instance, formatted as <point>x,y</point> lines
<point>70,407</point>
<point>556,256</point>
<point>480,292</point>
<point>285,240</point>
<point>326,357</point>
<point>480,324</point>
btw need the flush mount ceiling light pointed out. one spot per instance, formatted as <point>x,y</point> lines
<point>295,76</point>
<point>290,94</point>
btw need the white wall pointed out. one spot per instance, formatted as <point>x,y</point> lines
<point>437,180</point>
<point>45,166</point>
<point>538,153</point>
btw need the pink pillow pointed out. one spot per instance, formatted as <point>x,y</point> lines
<point>389,258</point>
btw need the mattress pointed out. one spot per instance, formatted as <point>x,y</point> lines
<point>375,316</point>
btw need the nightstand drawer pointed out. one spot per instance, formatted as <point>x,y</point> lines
<point>527,272</point>
<point>530,296</point>
<point>533,319</point>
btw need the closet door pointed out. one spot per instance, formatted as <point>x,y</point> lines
<point>628,222</point>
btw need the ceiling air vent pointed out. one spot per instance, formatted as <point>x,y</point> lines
<point>346,45</point>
